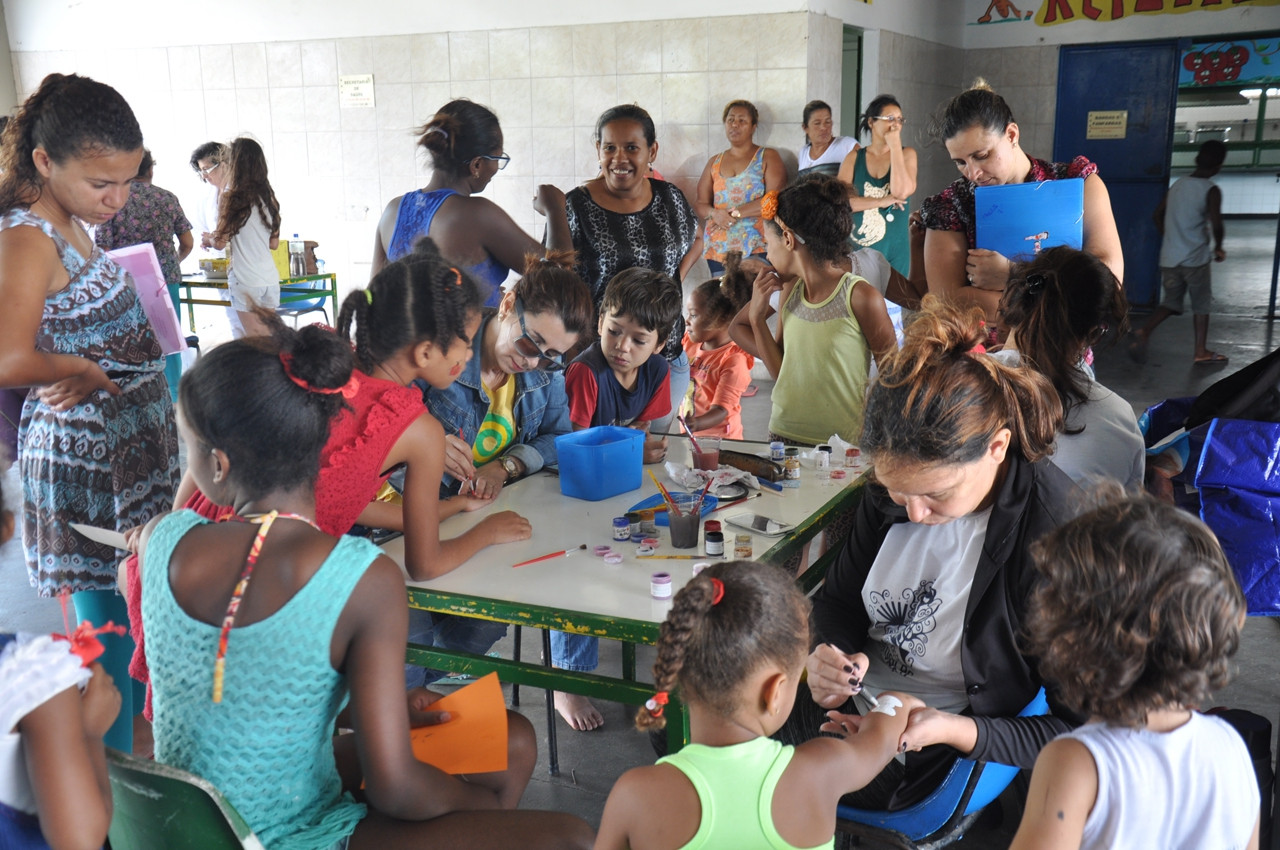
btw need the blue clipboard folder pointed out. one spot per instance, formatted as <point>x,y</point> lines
<point>1022,219</point>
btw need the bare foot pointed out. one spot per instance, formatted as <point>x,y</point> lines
<point>578,711</point>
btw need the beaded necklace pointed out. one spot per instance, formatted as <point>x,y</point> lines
<point>228,620</point>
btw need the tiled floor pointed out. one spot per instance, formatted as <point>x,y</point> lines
<point>590,762</point>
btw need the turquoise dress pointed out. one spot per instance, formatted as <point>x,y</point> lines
<point>110,461</point>
<point>882,229</point>
<point>268,746</point>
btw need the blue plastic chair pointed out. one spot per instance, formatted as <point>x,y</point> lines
<point>947,812</point>
<point>295,309</point>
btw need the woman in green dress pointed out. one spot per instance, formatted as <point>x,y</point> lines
<point>881,177</point>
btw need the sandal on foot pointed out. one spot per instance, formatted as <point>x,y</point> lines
<point>1212,358</point>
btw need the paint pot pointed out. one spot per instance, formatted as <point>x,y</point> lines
<point>651,541</point>
<point>613,558</point>
<point>633,520</point>
<point>637,537</point>
<point>660,585</point>
<point>711,525</point>
<point>643,551</point>
<point>714,544</point>
<point>839,475</point>
<point>621,528</point>
<point>791,467</point>
<point>648,527</point>
<point>852,456</point>
<point>742,547</point>
<point>822,457</point>
<point>601,551</point>
<point>777,449</point>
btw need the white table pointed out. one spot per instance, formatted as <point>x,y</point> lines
<point>580,593</point>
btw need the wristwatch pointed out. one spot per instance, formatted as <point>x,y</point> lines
<point>510,465</point>
<point>735,213</point>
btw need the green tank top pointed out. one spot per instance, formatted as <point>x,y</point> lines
<point>268,746</point>
<point>886,229</point>
<point>822,385</point>
<point>735,786</point>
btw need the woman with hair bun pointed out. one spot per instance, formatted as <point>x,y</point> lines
<point>934,581</point>
<point>832,322</point>
<point>97,443</point>
<point>464,141</point>
<point>982,139</point>
<point>881,178</point>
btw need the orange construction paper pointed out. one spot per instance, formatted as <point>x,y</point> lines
<point>474,740</point>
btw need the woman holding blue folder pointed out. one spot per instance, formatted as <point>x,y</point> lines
<point>982,138</point>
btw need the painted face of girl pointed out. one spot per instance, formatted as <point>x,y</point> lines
<point>697,326</point>
<point>986,158</point>
<point>443,367</point>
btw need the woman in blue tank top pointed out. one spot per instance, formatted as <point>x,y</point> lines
<point>464,141</point>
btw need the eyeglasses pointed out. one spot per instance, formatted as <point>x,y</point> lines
<point>547,361</point>
<point>892,119</point>
<point>502,159</point>
<point>205,172</point>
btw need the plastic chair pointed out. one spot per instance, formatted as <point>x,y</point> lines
<point>294,309</point>
<point>947,812</point>
<point>161,806</point>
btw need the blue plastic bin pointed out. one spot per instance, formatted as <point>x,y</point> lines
<point>600,462</point>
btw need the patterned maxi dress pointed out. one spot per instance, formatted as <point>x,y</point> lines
<point>110,461</point>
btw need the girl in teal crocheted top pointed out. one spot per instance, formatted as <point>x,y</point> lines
<point>252,657</point>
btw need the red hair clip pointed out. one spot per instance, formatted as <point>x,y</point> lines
<point>84,638</point>
<point>656,702</point>
<point>718,592</point>
<point>348,390</point>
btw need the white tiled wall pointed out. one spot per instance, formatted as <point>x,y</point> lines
<point>334,169</point>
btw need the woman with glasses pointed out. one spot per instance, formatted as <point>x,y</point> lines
<point>503,412</point>
<point>623,219</point>
<point>982,139</point>
<point>881,178</point>
<point>464,142</point>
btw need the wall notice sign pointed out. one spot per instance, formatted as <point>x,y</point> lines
<point>355,91</point>
<point>1107,124</point>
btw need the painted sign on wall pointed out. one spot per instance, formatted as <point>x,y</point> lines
<point>1237,61</point>
<point>1066,11</point>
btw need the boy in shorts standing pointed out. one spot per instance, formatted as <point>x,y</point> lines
<point>1190,211</point>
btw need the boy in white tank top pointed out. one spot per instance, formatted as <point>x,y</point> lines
<point>1136,622</point>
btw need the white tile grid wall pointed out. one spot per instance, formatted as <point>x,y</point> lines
<point>335,169</point>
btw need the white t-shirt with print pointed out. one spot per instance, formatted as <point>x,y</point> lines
<point>916,595</point>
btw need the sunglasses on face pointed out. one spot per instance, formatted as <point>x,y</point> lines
<point>526,347</point>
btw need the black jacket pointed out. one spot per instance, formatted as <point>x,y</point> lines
<point>1033,499</point>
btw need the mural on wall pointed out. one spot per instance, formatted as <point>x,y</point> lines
<point>1065,11</point>
<point>1007,12</point>
<point>1238,61</point>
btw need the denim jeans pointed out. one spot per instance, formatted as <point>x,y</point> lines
<point>580,653</point>
<point>448,631</point>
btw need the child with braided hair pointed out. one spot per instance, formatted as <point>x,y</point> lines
<point>734,645</point>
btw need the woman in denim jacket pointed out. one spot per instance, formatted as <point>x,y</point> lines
<point>501,415</point>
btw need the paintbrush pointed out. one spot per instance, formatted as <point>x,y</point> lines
<point>734,502</point>
<point>685,425</point>
<point>564,554</point>
<point>671,505</point>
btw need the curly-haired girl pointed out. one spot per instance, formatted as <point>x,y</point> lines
<point>1137,620</point>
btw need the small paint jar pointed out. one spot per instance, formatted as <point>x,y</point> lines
<point>776,450</point>
<point>633,521</point>
<point>601,551</point>
<point>839,475</point>
<point>711,525</point>
<point>700,566</point>
<point>714,544</point>
<point>613,558</point>
<point>852,456</point>
<point>647,526</point>
<point>791,467</point>
<point>822,457</point>
<point>660,585</point>
<point>637,538</point>
<point>621,528</point>
<point>742,547</point>
<point>651,542</point>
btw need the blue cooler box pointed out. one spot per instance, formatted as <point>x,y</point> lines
<point>600,462</point>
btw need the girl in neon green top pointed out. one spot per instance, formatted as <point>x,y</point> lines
<point>832,322</point>
<point>747,790</point>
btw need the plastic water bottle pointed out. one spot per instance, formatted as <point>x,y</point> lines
<point>297,257</point>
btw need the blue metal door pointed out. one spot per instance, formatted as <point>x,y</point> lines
<point>1140,78</point>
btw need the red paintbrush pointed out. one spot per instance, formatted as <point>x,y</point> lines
<point>563,554</point>
<point>734,502</point>
<point>697,508</point>
<point>671,505</point>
